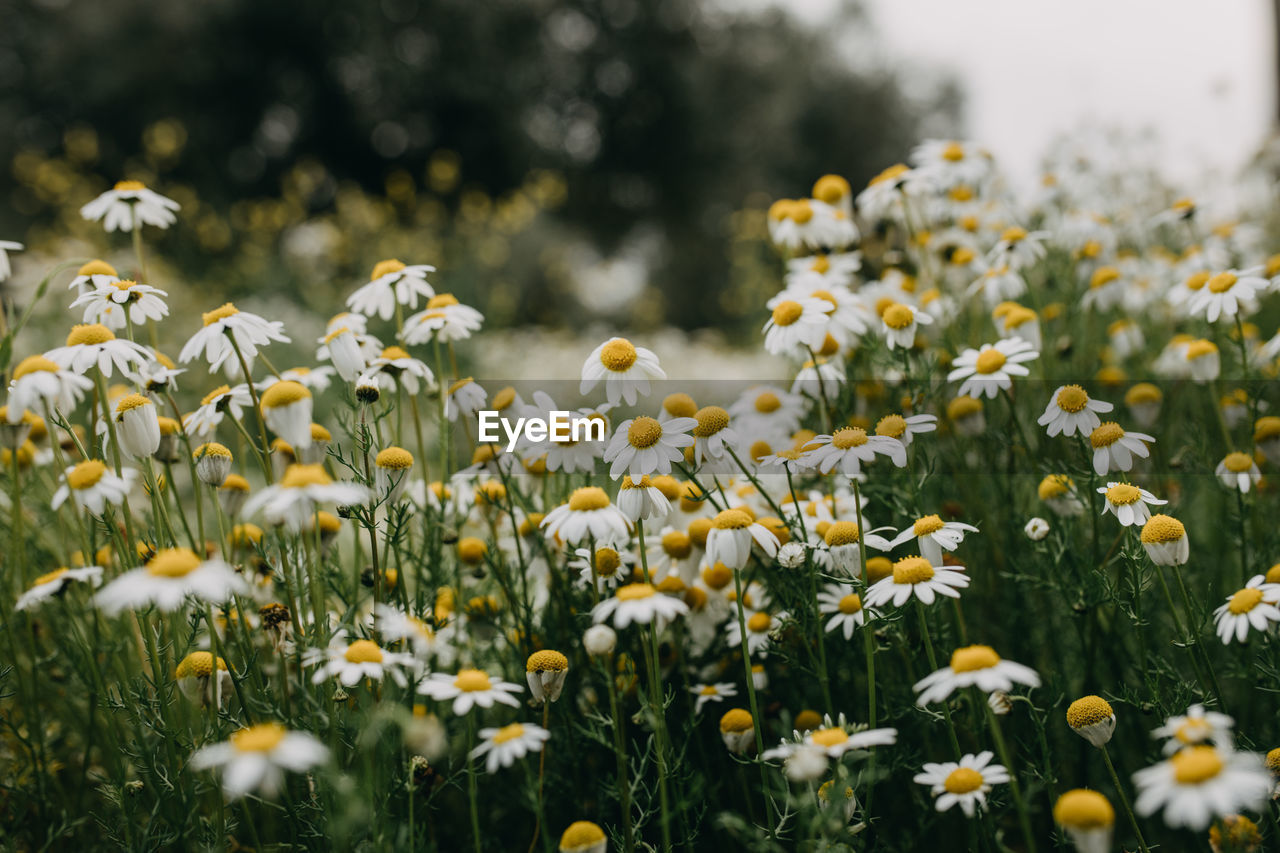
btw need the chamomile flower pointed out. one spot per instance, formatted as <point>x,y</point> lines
<point>643,446</point>
<point>916,576</point>
<point>168,579</point>
<point>444,319</point>
<point>1165,541</point>
<point>465,397</point>
<point>221,327</point>
<point>731,536</point>
<point>42,385</point>
<point>287,408</point>
<point>7,246</point>
<point>1088,818</point>
<point>849,447</point>
<point>294,501</point>
<point>545,672</point>
<point>906,427</point>
<point>1196,727</point>
<point>819,376</point>
<point>51,584</point>
<point>1227,293</point>
<point>971,666</point>
<point>1018,248</point>
<point>1254,606</point>
<point>844,606</point>
<point>221,401</point>
<point>1106,289</point>
<point>606,569</point>
<point>642,501</point>
<point>157,375</point>
<point>92,276</point>
<point>390,284</point>
<point>392,466</point>
<point>395,367</point>
<point>588,513</point>
<point>795,325</point>
<point>832,740</point>
<point>1128,503</point>
<point>639,603</point>
<point>884,195</point>
<point>1114,448</point>
<point>762,627</point>
<point>342,349</point>
<point>965,783</point>
<point>899,323</point>
<point>130,203</point>
<point>933,535</point>
<point>110,304</point>
<point>625,369</point>
<point>715,441</point>
<point>353,661</point>
<point>1200,783</point>
<point>988,371</point>
<point>583,836</point>
<point>708,693</point>
<point>1238,471</point>
<point>1070,410</point>
<point>501,747</point>
<point>94,345</point>
<point>395,625</point>
<point>92,486</point>
<point>469,688</point>
<point>1093,719</point>
<point>255,758</point>
<point>137,426</point>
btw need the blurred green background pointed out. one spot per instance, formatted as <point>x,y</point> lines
<point>560,161</point>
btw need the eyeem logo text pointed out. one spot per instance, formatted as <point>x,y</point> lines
<point>563,427</point>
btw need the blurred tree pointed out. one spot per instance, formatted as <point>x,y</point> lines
<point>663,116</point>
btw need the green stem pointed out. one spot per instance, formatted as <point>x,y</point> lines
<point>1024,816</point>
<point>1124,799</point>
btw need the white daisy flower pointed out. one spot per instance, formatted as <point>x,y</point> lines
<point>7,246</point>
<point>168,579</point>
<point>1165,541</point>
<point>767,411</point>
<point>642,501</point>
<point>795,325</point>
<point>978,666</point>
<point>1238,471</point>
<point>108,305</point>
<point>1070,410</point>
<point>465,397</point>
<point>92,486</point>
<point>832,740</point>
<point>444,319</point>
<point>899,323</point>
<point>1201,783</point>
<point>1018,248</point>
<point>819,376</point>
<point>915,576</point>
<point>94,345</point>
<point>1128,503</point>
<point>1106,289</point>
<point>255,758</point>
<point>625,368</point>
<point>884,194</point>
<point>1251,607</point>
<point>1114,448</point>
<point>501,747</point>
<point>137,426</point>
<point>762,627</point>
<point>950,162</point>
<point>1088,818</point>
<point>395,366</point>
<point>129,203</point>
<point>223,400</point>
<point>844,606</point>
<point>223,324</point>
<point>991,369</point>
<point>933,535</point>
<point>588,513</point>
<point>342,348</point>
<point>606,570</point>
<point>92,276</point>
<point>707,693</point>
<point>470,688</point>
<point>640,603</point>
<point>395,625</point>
<point>351,662</point>
<point>714,441</point>
<point>42,385</point>
<point>287,407</point>
<point>158,374</point>
<point>849,447</point>
<point>731,536</point>
<point>906,428</point>
<point>1228,293</point>
<point>48,585</point>
<point>643,446</point>
<point>1196,727</point>
<point>295,500</point>
<point>391,283</point>
<point>965,783</point>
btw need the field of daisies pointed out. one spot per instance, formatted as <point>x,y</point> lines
<point>992,567</point>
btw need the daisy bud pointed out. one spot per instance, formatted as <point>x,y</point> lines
<point>737,730</point>
<point>600,640</point>
<point>791,555</point>
<point>1056,491</point>
<point>1166,542</point>
<point>1000,703</point>
<point>286,407</point>
<point>1091,717</point>
<point>213,463</point>
<point>1036,529</point>
<point>545,672</point>
<point>367,391</point>
<point>583,836</point>
<point>345,354</point>
<point>393,465</point>
<point>137,426</point>
<point>233,492</point>
<point>168,451</point>
<point>194,675</point>
<point>1234,834</point>
<point>1088,818</point>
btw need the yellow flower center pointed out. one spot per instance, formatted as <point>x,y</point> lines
<point>829,737</point>
<point>300,476</point>
<point>89,334</point>
<point>636,592</point>
<point>198,665</point>
<point>1083,809</point>
<point>618,355</point>
<point>898,316</point>
<point>35,364</point>
<point>283,394</point>
<point>221,313</point>
<point>1222,282</point>
<point>1237,462</point>
<point>472,681</point>
<point>1122,493</point>
<point>582,835</point>
<point>841,533</point>
<point>912,570</point>
<point>260,738</point>
<point>928,524</point>
<point>787,312</point>
<point>511,732</point>
<point>363,651</point>
<point>962,780</point>
<point>86,474</point>
<point>588,498</point>
<point>96,267</point>
<point>1196,765</point>
<point>831,189</point>
<point>1106,435</point>
<point>129,186</point>
<point>442,300</point>
<point>173,563</point>
<point>848,437</point>
<point>759,623</point>
<point>890,174</point>
<point>1014,234</point>
<point>1244,600</point>
<point>644,432</point>
<point>893,426</point>
<point>1072,399</point>
<point>953,152</point>
<point>1103,276</point>
<point>711,419</point>
<point>736,720</point>
<point>731,519</point>
<point>851,603</point>
<point>677,545</point>
<point>547,660</point>
<point>1087,711</point>
<point>51,576</point>
<point>680,405</point>
<point>1161,529</point>
<point>607,562</point>
<point>385,268</point>
<point>971,658</point>
<point>989,361</point>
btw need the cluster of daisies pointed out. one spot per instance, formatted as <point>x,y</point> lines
<point>337,534</point>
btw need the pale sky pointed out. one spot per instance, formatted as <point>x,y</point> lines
<point>1201,74</point>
